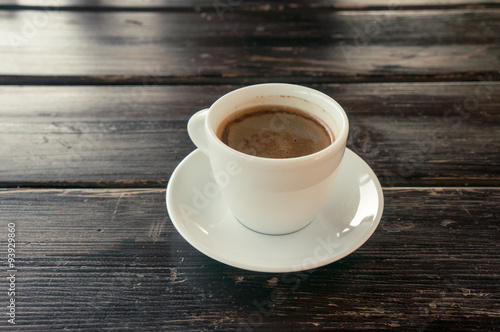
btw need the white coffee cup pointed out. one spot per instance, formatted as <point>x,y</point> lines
<point>272,196</point>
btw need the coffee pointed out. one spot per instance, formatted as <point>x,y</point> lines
<point>275,131</point>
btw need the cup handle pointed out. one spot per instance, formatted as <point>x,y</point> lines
<point>196,130</point>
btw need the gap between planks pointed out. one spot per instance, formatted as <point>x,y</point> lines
<point>138,80</point>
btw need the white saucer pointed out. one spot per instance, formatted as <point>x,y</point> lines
<point>348,219</point>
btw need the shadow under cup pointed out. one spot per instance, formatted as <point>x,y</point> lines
<point>276,196</point>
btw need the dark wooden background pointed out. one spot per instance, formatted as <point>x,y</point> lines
<point>94,102</point>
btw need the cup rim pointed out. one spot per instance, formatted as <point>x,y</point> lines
<point>339,141</point>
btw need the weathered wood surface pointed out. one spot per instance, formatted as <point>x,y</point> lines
<point>87,47</point>
<point>232,5</point>
<point>110,258</point>
<point>419,80</point>
<point>443,134</point>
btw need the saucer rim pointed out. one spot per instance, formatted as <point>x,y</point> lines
<point>265,268</point>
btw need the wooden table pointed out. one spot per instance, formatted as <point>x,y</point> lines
<point>95,97</point>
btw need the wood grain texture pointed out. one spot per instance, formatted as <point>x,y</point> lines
<point>111,259</point>
<point>50,47</point>
<point>97,94</point>
<point>423,134</point>
<point>233,5</point>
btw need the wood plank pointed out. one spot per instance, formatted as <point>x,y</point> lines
<point>231,5</point>
<point>91,257</point>
<point>434,134</point>
<point>299,46</point>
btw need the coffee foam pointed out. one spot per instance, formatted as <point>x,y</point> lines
<point>275,131</point>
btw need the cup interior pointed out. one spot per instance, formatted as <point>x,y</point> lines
<point>309,100</point>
